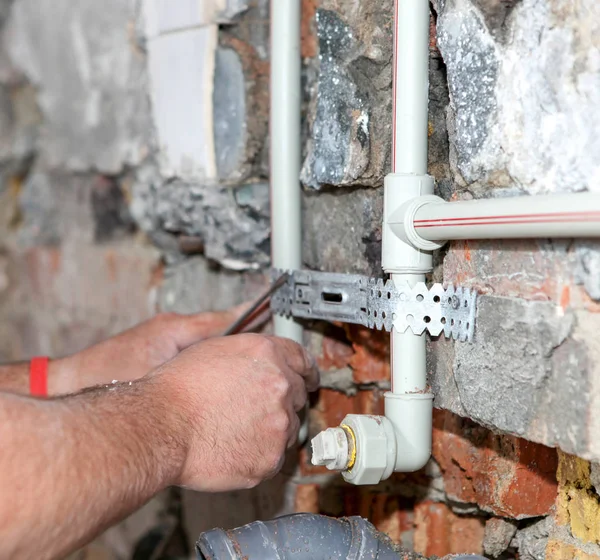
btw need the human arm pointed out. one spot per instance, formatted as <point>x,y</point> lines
<point>217,417</point>
<point>125,357</point>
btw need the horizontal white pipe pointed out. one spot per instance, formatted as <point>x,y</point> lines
<point>569,215</point>
<point>286,227</point>
<point>411,87</point>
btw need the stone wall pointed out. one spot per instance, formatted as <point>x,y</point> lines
<point>134,178</point>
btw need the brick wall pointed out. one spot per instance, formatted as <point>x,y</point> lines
<point>115,203</point>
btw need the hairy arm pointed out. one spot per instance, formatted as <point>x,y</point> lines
<point>14,378</point>
<point>72,467</point>
<point>217,417</point>
<point>132,353</point>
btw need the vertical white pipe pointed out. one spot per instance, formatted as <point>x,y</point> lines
<point>411,101</point>
<point>286,226</point>
<point>409,405</point>
<point>411,86</point>
<point>409,371</point>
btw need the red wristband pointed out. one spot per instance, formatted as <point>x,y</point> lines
<point>38,377</point>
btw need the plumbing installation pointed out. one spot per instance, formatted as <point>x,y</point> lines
<point>368,449</point>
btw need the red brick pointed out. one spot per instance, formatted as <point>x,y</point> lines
<point>335,354</point>
<point>307,498</point>
<point>432,529</point>
<point>389,517</point>
<point>333,406</point>
<point>466,535</point>
<point>309,37</point>
<point>371,360</point>
<point>506,475</point>
<point>487,266</point>
<point>438,531</point>
<point>433,33</point>
<point>371,402</point>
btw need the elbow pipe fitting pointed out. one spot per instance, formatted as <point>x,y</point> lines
<point>400,441</point>
<point>411,415</point>
<point>299,537</point>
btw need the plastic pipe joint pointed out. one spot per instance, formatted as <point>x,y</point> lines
<point>363,448</point>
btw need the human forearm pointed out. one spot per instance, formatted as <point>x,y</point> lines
<point>111,449</point>
<point>125,357</point>
<point>63,378</point>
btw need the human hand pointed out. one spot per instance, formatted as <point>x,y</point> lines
<point>237,400</point>
<point>137,351</point>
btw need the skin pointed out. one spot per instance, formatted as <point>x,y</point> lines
<point>213,416</point>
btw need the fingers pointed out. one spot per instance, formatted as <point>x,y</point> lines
<point>195,328</point>
<point>294,430</point>
<point>298,391</point>
<point>300,361</point>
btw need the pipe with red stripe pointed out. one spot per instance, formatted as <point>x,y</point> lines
<point>547,216</point>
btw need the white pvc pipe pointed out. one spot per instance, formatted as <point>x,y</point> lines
<point>408,406</point>
<point>411,87</point>
<point>572,215</point>
<point>408,352</point>
<point>286,226</point>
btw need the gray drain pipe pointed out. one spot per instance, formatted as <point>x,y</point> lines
<point>301,537</point>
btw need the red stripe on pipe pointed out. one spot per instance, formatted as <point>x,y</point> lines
<point>507,222</point>
<point>512,217</point>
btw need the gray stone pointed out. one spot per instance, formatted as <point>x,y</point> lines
<point>472,65</point>
<point>4,9</point>
<point>229,112</point>
<point>55,206</point>
<point>587,271</point>
<point>339,380</point>
<point>353,222</point>
<point>350,111</point>
<point>498,536</point>
<point>236,235</point>
<point>595,476</point>
<point>351,134</point>
<point>95,103</point>
<point>524,80</point>
<point>341,133</point>
<point>39,207</point>
<point>500,392</point>
<point>531,541</point>
<point>20,122</point>
<point>233,9</point>
<point>241,101</point>
<point>194,286</point>
<point>530,372</point>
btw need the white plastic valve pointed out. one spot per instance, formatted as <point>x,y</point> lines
<point>331,449</point>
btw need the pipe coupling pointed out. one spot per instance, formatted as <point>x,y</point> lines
<point>363,449</point>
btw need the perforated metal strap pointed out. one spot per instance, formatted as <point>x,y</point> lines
<point>377,304</point>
